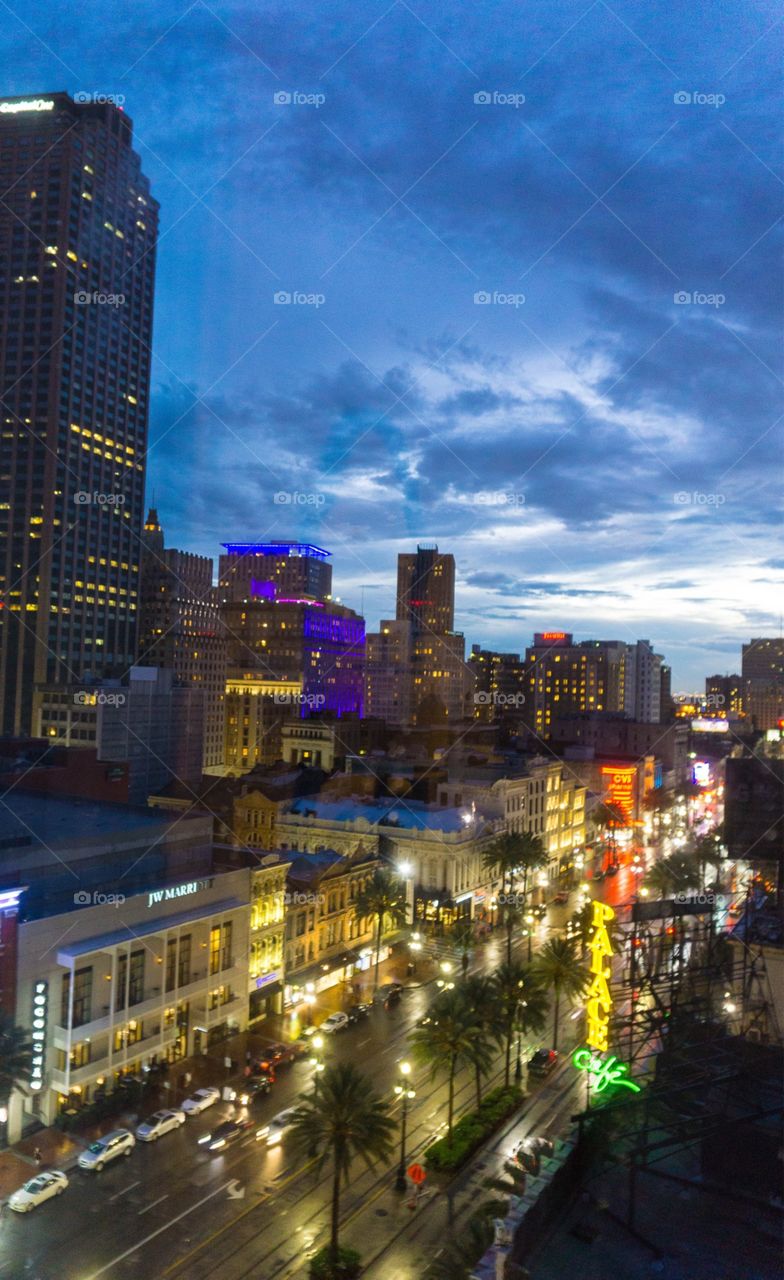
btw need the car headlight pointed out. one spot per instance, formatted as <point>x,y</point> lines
<point>245,1099</point>
<point>207,1138</point>
<point>216,1146</point>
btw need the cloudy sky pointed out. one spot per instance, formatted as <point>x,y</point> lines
<point>531,253</point>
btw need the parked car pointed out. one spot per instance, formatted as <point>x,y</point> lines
<point>278,1127</point>
<point>358,1013</point>
<point>120,1142</point>
<point>543,1062</point>
<point>37,1190</point>
<point>224,1134</point>
<point>200,1100</point>
<point>255,1087</point>
<point>158,1123</point>
<point>335,1022</point>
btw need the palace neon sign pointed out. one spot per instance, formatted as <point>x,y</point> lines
<point>599,1002</point>
<point>603,1072</point>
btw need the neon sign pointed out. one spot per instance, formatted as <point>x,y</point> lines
<point>30,104</point>
<point>603,1072</point>
<point>620,788</point>
<point>38,1034</point>
<point>599,1002</point>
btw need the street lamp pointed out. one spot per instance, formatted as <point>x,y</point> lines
<point>317,1061</point>
<point>405,1093</point>
<point>406,872</point>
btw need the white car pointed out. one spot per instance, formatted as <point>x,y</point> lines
<point>201,1100</point>
<point>37,1190</point>
<point>278,1127</point>
<point>159,1123</point>
<point>120,1142</point>
<point>335,1022</point>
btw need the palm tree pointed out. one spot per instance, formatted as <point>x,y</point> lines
<point>478,992</point>
<point>383,898</point>
<point>522,1005</point>
<point>608,817</point>
<point>510,854</point>
<point>16,1059</point>
<point>343,1117</point>
<point>558,966</point>
<point>673,875</point>
<point>447,1042</point>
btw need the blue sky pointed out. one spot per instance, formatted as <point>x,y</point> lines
<point>484,347</point>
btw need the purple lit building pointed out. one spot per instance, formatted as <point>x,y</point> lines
<point>282,624</point>
<point>273,569</point>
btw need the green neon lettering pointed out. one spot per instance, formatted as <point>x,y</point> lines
<point>603,1073</point>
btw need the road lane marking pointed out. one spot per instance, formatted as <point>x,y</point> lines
<point>152,1206</point>
<point>141,1243</point>
<point>117,1194</point>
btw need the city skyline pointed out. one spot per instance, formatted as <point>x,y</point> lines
<point>549,444</point>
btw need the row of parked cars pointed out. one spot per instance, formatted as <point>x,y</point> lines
<point>121,1142</point>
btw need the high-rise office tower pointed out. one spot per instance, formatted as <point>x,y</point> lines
<point>268,570</point>
<point>724,695</point>
<point>78,229</point>
<point>763,677</point>
<point>426,590</point>
<point>180,627</point>
<point>278,629</point>
<point>389,672</point>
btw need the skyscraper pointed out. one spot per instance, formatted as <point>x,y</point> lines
<point>763,678</point>
<point>426,590</point>
<point>279,625</point>
<point>78,229</point>
<point>180,627</point>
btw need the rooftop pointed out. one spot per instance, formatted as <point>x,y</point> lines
<point>276,549</point>
<point>30,819</point>
<point>406,814</point>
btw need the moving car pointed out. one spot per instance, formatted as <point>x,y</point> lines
<point>200,1100</point>
<point>158,1123</point>
<point>543,1062</point>
<point>37,1190</point>
<point>388,989</point>
<point>277,1055</point>
<point>358,1013</point>
<point>278,1127</point>
<point>120,1142</point>
<point>224,1134</point>
<point>335,1022</point>
<point>256,1087</point>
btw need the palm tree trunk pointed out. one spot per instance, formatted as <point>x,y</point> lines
<point>508,1054</point>
<point>378,948</point>
<point>555,1017</point>
<point>333,1243</point>
<point>478,1084</point>
<point>451,1107</point>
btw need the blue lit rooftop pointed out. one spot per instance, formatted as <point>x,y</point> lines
<point>276,549</point>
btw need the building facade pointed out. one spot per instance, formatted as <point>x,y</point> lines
<point>326,941</point>
<point>78,229</point>
<point>389,672</point>
<point>763,678</point>
<point>180,628</point>
<point>426,590</point>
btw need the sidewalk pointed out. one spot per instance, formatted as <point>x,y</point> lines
<point>61,1150</point>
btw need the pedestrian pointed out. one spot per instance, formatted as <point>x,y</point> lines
<point>248,1056</point>
<point>37,1156</point>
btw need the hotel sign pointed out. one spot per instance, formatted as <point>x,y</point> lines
<point>38,1034</point>
<point>170,894</point>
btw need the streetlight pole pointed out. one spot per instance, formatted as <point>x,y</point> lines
<point>404,1093</point>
